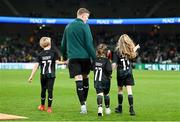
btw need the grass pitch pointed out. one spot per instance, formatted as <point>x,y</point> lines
<point>156,97</point>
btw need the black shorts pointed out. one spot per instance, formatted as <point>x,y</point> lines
<point>102,87</point>
<point>79,67</point>
<point>47,83</point>
<point>125,80</point>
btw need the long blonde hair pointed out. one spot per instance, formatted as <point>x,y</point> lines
<point>125,47</point>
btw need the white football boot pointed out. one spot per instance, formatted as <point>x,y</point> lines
<point>108,111</point>
<point>100,111</point>
<point>83,109</point>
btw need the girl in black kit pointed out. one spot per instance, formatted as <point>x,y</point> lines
<point>102,77</point>
<point>124,52</point>
<point>46,60</point>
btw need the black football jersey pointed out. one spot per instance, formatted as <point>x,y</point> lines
<point>47,60</point>
<point>102,69</point>
<point>123,64</point>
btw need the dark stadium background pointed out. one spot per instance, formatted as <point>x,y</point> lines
<point>159,43</point>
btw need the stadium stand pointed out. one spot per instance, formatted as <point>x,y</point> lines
<point>19,43</point>
<point>99,8</point>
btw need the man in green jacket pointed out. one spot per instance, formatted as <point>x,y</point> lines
<point>77,47</point>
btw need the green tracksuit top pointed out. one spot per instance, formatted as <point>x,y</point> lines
<point>77,41</point>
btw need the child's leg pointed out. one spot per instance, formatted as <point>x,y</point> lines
<point>106,98</point>
<point>99,99</point>
<point>43,91</point>
<point>107,102</point>
<point>106,95</point>
<point>99,102</point>
<point>120,95</point>
<point>130,96</point>
<point>50,91</point>
<point>120,100</point>
<point>130,99</point>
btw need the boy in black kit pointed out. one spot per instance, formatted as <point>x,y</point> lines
<point>46,60</point>
<point>102,77</point>
<point>125,51</point>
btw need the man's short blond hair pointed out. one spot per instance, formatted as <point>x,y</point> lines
<point>82,10</point>
<point>45,41</point>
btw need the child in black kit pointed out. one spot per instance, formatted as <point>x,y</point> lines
<point>46,60</point>
<point>124,53</point>
<point>102,77</point>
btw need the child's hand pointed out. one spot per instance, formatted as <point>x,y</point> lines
<point>60,62</point>
<point>138,46</point>
<point>66,62</point>
<point>114,66</point>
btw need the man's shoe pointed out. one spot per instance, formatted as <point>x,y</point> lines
<point>83,109</point>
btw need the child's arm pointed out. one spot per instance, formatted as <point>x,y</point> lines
<point>33,72</point>
<point>135,48</point>
<point>114,66</point>
<point>60,62</point>
<point>109,68</point>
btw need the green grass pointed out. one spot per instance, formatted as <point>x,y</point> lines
<point>156,97</point>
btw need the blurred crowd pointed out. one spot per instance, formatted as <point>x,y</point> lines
<point>155,47</point>
<point>98,8</point>
<point>111,8</point>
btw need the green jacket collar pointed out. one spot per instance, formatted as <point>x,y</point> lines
<point>78,19</point>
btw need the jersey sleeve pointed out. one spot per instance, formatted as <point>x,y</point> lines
<point>38,59</point>
<point>108,67</point>
<point>115,58</point>
<point>56,57</point>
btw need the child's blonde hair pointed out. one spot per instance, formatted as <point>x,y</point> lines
<point>45,41</point>
<point>125,47</point>
<point>101,50</point>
